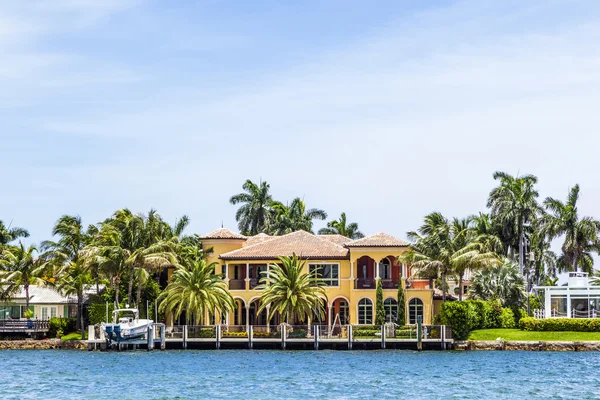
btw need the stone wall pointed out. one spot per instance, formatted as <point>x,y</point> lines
<point>525,345</point>
<point>43,344</point>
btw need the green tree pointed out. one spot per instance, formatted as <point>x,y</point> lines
<point>514,205</point>
<point>8,234</point>
<point>196,289</point>
<point>401,313</point>
<point>295,217</point>
<point>341,227</point>
<point>287,289</point>
<point>254,214</point>
<point>580,234</point>
<point>379,310</point>
<point>501,282</point>
<point>19,266</point>
<point>75,279</point>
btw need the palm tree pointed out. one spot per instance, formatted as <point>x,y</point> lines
<point>581,235</point>
<point>341,227</point>
<point>287,289</point>
<point>514,204</point>
<point>254,214</point>
<point>19,266</point>
<point>196,289</point>
<point>75,279</point>
<point>445,248</point>
<point>8,234</point>
<point>501,282</point>
<point>295,217</point>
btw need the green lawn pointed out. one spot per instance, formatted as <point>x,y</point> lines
<point>517,334</point>
<point>73,336</point>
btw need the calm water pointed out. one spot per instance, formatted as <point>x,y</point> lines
<point>301,374</point>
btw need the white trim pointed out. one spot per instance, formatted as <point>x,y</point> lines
<point>358,312</point>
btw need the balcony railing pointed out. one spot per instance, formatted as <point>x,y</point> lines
<point>390,283</point>
<point>237,284</point>
<point>254,282</point>
<point>364,284</point>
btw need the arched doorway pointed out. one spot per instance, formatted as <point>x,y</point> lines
<point>340,311</point>
<point>365,312</point>
<point>239,312</point>
<point>256,318</point>
<point>365,273</point>
<point>390,307</point>
<point>415,310</point>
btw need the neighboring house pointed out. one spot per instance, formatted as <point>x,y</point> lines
<point>350,269</point>
<point>578,299</point>
<point>45,302</point>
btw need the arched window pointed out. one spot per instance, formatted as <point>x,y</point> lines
<point>391,310</point>
<point>415,310</point>
<point>344,312</point>
<point>365,312</point>
<point>385,269</point>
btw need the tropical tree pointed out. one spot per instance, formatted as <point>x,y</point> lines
<point>19,266</point>
<point>580,234</point>
<point>501,282</point>
<point>295,217</point>
<point>75,279</point>
<point>287,289</point>
<point>514,205</point>
<point>196,289</point>
<point>379,310</point>
<point>8,234</point>
<point>443,248</point>
<point>254,214</point>
<point>341,227</point>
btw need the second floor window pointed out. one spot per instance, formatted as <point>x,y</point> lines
<point>329,273</point>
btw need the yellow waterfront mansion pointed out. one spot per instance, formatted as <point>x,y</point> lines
<point>350,268</point>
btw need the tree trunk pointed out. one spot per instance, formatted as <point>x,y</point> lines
<point>521,247</point>
<point>26,286</point>
<point>116,287</point>
<point>130,290</point>
<point>575,260</point>
<point>460,289</point>
<point>443,287</point>
<point>139,294</point>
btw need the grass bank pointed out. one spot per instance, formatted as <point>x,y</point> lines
<point>517,334</point>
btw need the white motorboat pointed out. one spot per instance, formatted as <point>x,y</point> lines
<point>126,325</point>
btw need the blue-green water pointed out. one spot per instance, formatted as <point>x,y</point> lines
<point>245,374</point>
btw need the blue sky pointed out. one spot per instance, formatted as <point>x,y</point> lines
<point>386,110</point>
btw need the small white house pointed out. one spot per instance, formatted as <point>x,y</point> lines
<point>45,302</point>
<point>576,300</point>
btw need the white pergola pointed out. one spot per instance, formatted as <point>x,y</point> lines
<point>576,300</point>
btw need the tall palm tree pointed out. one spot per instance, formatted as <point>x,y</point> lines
<point>196,289</point>
<point>502,282</point>
<point>514,204</point>
<point>581,234</point>
<point>287,289</point>
<point>75,279</point>
<point>341,227</point>
<point>19,266</point>
<point>8,234</point>
<point>295,217</point>
<point>444,248</point>
<point>254,214</point>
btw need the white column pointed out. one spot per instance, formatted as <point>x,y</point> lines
<point>247,318</point>
<point>376,270</point>
<point>329,312</point>
<point>247,280</point>
<point>547,304</point>
<point>568,304</point>
<point>351,270</point>
<point>226,272</point>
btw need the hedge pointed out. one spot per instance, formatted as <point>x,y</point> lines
<point>560,324</point>
<point>468,315</point>
<point>60,326</point>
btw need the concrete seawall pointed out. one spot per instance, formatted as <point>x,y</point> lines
<point>525,345</point>
<point>42,344</point>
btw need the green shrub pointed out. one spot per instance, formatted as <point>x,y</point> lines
<point>235,334</point>
<point>459,315</point>
<point>507,319</point>
<point>97,313</point>
<point>297,333</point>
<point>365,332</point>
<point>560,324</point>
<point>60,326</point>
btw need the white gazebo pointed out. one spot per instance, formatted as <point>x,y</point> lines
<point>576,300</point>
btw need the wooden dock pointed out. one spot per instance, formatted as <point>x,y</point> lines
<point>157,339</point>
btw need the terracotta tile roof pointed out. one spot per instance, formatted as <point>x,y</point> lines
<point>222,233</point>
<point>261,237</point>
<point>378,240</point>
<point>337,239</point>
<point>304,244</point>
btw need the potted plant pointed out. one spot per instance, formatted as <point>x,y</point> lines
<point>29,314</point>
